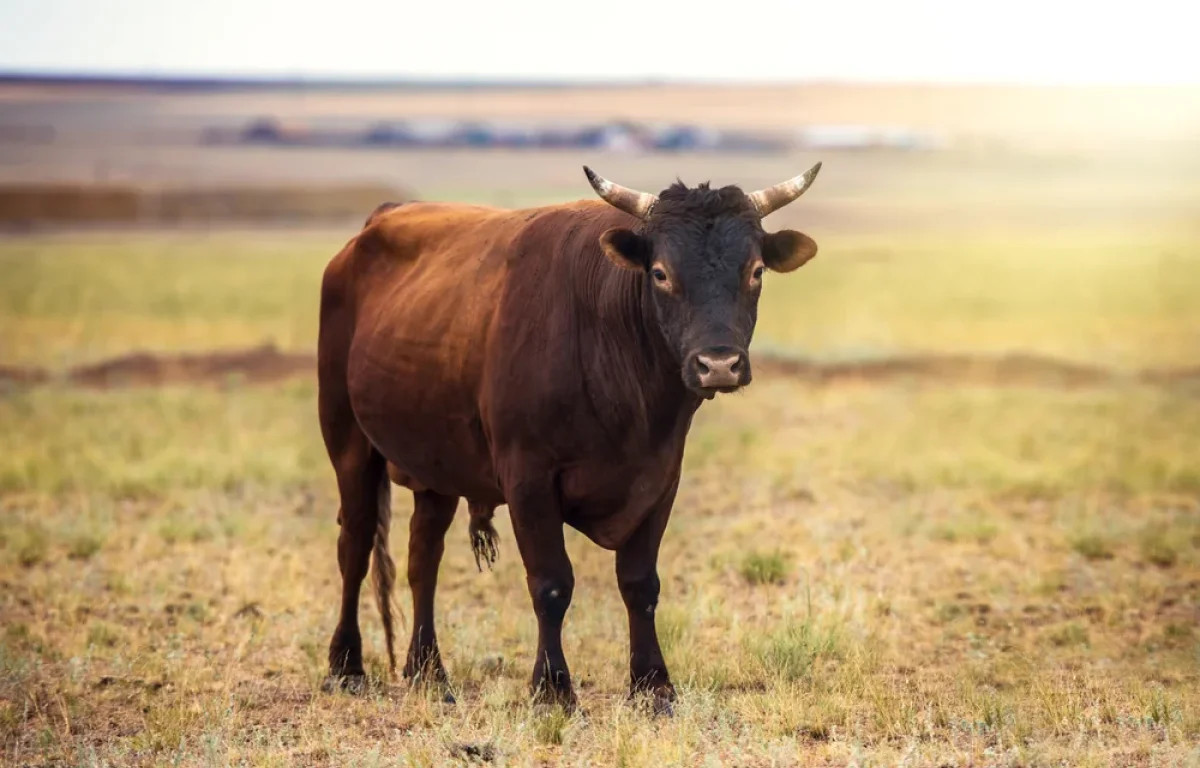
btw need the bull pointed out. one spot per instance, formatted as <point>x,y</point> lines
<point>550,359</point>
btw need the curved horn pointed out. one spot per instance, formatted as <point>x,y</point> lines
<point>629,200</point>
<point>773,198</point>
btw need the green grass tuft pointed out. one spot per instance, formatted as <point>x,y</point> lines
<point>764,568</point>
<point>790,651</point>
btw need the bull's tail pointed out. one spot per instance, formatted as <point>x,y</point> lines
<point>383,568</point>
<point>484,539</point>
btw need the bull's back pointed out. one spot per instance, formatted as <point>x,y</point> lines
<point>425,280</point>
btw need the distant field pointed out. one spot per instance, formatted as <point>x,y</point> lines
<point>962,193</point>
<point>1050,156</point>
<point>1117,301</point>
<point>1038,116</point>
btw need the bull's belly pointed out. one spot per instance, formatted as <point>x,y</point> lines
<point>436,446</point>
<point>420,463</point>
<point>444,458</point>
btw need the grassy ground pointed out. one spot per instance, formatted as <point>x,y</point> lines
<point>918,572</point>
<point>1105,297</point>
<point>851,572</point>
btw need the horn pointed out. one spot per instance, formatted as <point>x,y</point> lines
<point>773,198</point>
<point>629,200</point>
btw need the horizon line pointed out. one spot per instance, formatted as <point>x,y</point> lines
<point>226,81</point>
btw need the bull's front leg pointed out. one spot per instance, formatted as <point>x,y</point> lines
<point>637,577</point>
<point>538,528</point>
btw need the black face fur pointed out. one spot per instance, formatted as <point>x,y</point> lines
<point>703,253</point>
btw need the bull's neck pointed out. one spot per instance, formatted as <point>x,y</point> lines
<point>632,376</point>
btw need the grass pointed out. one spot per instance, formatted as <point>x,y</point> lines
<point>1093,546</point>
<point>175,603</point>
<point>790,651</point>
<point>72,299</point>
<point>1106,298</point>
<point>764,568</point>
<point>914,573</point>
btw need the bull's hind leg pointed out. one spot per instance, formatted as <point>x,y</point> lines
<point>365,495</point>
<point>363,487</point>
<point>432,515</point>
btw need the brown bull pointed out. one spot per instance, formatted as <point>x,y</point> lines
<point>550,359</point>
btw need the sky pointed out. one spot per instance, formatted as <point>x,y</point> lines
<point>1019,41</point>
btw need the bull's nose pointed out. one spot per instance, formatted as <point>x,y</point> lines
<point>717,369</point>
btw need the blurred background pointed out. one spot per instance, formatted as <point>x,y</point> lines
<point>974,431</point>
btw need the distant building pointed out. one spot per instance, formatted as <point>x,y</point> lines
<point>610,136</point>
<point>863,137</point>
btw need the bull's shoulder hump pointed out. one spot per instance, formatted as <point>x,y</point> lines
<point>436,215</point>
<point>429,217</point>
<point>416,230</point>
<point>406,232</point>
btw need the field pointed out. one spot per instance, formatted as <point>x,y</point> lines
<point>955,521</point>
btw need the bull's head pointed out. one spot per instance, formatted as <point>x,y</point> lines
<point>703,253</point>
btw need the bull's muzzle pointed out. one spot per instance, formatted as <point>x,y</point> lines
<point>718,369</point>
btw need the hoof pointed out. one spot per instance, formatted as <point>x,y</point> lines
<point>431,679</point>
<point>545,698</point>
<point>660,701</point>
<point>663,706</point>
<point>432,676</point>
<point>355,685</point>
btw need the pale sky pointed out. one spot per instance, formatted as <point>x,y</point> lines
<point>1032,41</point>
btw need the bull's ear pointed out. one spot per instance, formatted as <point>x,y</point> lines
<point>626,248</point>
<point>787,249</point>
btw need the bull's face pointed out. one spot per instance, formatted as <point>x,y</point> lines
<point>703,253</point>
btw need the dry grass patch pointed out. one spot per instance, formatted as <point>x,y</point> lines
<point>174,605</point>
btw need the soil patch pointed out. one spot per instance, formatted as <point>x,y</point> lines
<point>266,364</point>
<point>26,206</point>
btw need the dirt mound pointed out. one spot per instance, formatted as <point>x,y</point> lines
<point>256,365</point>
<point>30,205</point>
<point>13,375</point>
<point>1007,369</point>
<point>267,364</point>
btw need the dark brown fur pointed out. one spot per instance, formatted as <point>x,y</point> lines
<point>505,357</point>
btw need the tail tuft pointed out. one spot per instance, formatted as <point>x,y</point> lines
<point>484,539</point>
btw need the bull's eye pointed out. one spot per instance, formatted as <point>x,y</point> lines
<point>758,272</point>
<point>659,275</point>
